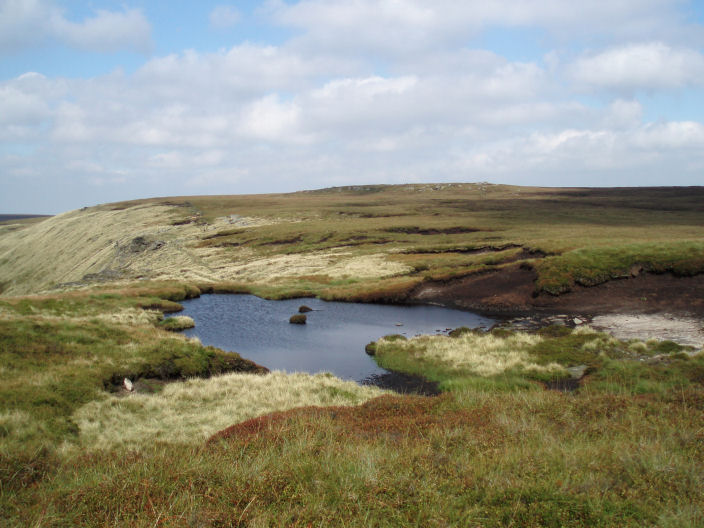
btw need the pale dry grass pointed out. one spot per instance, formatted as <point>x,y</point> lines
<point>16,424</point>
<point>68,246</point>
<point>65,248</point>
<point>126,317</point>
<point>330,264</point>
<point>83,246</point>
<point>179,322</point>
<point>191,411</point>
<point>483,355</point>
<point>131,316</point>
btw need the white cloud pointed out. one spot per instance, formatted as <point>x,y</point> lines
<point>179,160</point>
<point>33,23</point>
<point>242,70</point>
<point>403,27</point>
<point>271,119</point>
<point>224,16</point>
<point>623,114</point>
<point>366,88</point>
<point>107,31</point>
<point>673,135</point>
<point>386,91</point>
<point>643,66</point>
<point>21,108</point>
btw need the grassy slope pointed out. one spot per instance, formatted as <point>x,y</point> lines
<point>495,450</point>
<point>352,242</point>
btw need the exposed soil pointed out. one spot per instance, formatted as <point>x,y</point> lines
<point>648,306</point>
<point>415,230</point>
<point>510,291</point>
<point>403,383</point>
<point>472,250</point>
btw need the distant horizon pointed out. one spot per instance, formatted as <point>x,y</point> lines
<point>106,100</point>
<point>14,215</point>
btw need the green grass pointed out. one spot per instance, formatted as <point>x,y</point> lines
<point>523,459</point>
<point>589,267</point>
<point>435,232</point>
<point>508,361</point>
<point>177,323</point>
<point>495,449</point>
<point>51,364</point>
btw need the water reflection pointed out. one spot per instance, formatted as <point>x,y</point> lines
<point>333,339</point>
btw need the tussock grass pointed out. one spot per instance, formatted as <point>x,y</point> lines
<point>494,450</point>
<point>191,411</point>
<point>592,266</point>
<point>508,361</point>
<point>56,358</point>
<point>177,322</point>
<point>476,458</point>
<point>480,354</point>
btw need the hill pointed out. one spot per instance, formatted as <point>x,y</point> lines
<point>486,247</point>
<point>109,417</point>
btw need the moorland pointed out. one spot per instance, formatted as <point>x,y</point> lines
<point>210,438</point>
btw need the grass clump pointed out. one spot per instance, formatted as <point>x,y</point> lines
<point>190,412</point>
<point>52,364</point>
<point>443,358</point>
<point>592,266</point>
<point>299,319</point>
<point>495,449</point>
<point>504,360</point>
<point>177,323</point>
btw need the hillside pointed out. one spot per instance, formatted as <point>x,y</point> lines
<point>479,246</point>
<point>541,421</point>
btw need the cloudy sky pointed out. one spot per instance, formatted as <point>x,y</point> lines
<point>108,100</point>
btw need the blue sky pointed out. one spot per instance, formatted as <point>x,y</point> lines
<point>110,100</point>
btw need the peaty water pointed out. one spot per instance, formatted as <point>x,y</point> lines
<point>333,339</point>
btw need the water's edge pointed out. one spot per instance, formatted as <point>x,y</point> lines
<point>332,340</point>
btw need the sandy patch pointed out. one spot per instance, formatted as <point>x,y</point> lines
<point>663,326</point>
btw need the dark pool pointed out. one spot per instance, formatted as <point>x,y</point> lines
<point>333,339</point>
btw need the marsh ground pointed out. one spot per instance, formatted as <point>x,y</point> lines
<point>256,449</point>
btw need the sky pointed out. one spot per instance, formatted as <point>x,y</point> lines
<point>102,100</point>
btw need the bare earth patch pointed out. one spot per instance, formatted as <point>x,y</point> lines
<point>663,326</point>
